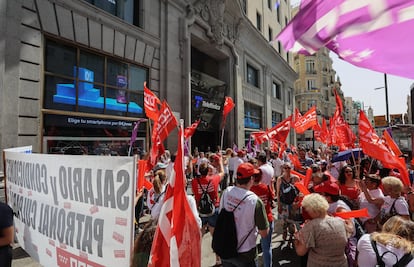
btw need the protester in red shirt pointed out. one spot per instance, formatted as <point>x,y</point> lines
<point>209,183</point>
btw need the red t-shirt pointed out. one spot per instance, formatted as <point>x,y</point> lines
<point>266,194</point>
<point>350,192</point>
<point>212,187</point>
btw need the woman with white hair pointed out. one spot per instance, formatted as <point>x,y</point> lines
<point>394,203</point>
<point>323,237</point>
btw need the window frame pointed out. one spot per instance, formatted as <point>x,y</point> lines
<point>256,82</point>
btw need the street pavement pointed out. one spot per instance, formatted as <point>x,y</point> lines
<point>283,254</point>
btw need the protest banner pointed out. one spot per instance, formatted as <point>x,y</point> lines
<point>72,211</point>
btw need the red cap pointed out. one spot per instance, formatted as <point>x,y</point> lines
<point>246,170</point>
<point>240,153</point>
<point>216,157</point>
<point>328,188</point>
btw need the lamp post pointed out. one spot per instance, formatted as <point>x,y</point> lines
<point>386,98</point>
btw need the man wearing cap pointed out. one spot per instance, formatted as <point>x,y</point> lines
<point>249,214</point>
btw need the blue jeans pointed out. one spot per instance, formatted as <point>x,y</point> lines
<point>266,243</point>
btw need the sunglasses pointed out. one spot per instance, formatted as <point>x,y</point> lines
<point>286,168</point>
<point>348,171</point>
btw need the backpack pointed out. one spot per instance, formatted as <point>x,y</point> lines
<point>390,214</point>
<point>403,261</point>
<point>225,243</point>
<point>288,192</point>
<point>206,205</point>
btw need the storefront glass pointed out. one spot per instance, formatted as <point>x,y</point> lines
<point>92,84</point>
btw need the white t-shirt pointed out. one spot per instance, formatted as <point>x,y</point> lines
<point>237,162</point>
<point>243,215</point>
<point>373,209</point>
<point>401,206</point>
<point>366,254</point>
<point>338,204</point>
<point>267,173</point>
<point>277,166</point>
<point>232,162</point>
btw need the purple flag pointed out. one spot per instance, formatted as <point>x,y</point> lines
<point>371,34</point>
<point>235,148</point>
<point>249,145</point>
<point>135,132</point>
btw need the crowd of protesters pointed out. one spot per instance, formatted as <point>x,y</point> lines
<point>263,188</point>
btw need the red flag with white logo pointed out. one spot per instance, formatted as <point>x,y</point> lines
<point>177,240</point>
<point>302,123</point>
<point>165,123</point>
<point>151,103</point>
<point>281,130</point>
<point>190,130</point>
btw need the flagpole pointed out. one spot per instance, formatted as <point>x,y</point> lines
<point>222,137</point>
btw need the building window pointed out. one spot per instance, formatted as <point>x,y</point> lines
<point>252,116</point>
<point>278,14</point>
<point>252,76</point>
<point>129,10</point>
<point>81,81</point>
<point>310,67</point>
<point>270,34</point>
<point>259,21</point>
<point>289,98</point>
<point>311,84</point>
<point>276,118</point>
<point>286,21</point>
<point>269,4</point>
<point>276,90</point>
<point>279,47</point>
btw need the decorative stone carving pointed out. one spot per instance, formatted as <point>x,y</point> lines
<point>213,12</point>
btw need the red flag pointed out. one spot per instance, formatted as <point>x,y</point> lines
<point>389,141</point>
<point>339,105</point>
<point>259,137</point>
<point>365,131</point>
<point>228,106</point>
<point>297,115</point>
<point>352,214</point>
<point>302,188</point>
<point>274,146</point>
<point>281,130</point>
<point>295,161</point>
<point>283,147</point>
<point>151,103</point>
<point>308,177</point>
<point>190,130</point>
<point>375,147</point>
<point>165,123</point>
<point>306,121</point>
<point>177,240</point>
<point>298,174</point>
<point>143,167</point>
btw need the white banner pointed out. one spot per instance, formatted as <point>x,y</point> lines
<point>21,149</point>
<point>73,211</point>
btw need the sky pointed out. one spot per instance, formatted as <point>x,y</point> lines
<point>359,84</point>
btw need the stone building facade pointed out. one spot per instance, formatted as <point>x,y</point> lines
<point>72,72</point>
